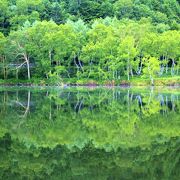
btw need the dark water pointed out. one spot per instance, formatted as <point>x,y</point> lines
<point>81,133</point>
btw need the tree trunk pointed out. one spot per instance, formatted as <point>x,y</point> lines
<point>140,68</point>
<point>161,70</point>
<point>116,74</point>
<point>28,68</point>
<point>27,63</point>
<point>28,104</point>
<point>4,68</point>
<point>5,73</point>
<point>152,80</point>
<point>113,74</point>
<point>172,68</point>
<point>128,73</point>
<point>132,72</point>
<point>128,67</point>
<point>80,65</point>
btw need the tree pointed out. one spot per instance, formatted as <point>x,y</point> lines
<point>56,11</point>
<point>20,52</point>
<point>127,52</point>
<point>170,48</point>
<point>4,15</point>
<point>152,68</point>
<point>42,46</point>
<point>123,8</point>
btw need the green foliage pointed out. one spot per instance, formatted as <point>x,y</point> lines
<point>152,68</point>
<point>91,40</point>
<point>121,132</point>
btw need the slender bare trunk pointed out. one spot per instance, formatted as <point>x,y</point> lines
<point>113,74</point>
<point>26,58</point>
<point>80,64</point>
<point>172,68</point>
<point>132,72</point>
<point>152,80</point>
<point>28,104</point>
<point>140,68</point>
<point>4,67</point>
<point>28,68</point>
<point>128,67</point>
<point>116,72</point>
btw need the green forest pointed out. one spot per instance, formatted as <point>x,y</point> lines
<point>90,41</point>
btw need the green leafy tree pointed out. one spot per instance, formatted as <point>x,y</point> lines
<point>20,50</point>
<point>124,8</point>
<point>152,68</point>
<point>127,52</point>
<point>41,46</point>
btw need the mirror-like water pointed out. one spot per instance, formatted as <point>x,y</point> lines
<point>81,133</point>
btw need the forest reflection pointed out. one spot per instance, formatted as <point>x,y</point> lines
<point>90,99</point>
<point>82,133</point>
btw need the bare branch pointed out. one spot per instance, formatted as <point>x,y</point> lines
<point>21,65</point>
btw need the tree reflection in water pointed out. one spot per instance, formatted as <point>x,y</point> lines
<point>82,133</point>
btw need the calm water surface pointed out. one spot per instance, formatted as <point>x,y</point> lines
<point>83,133</point>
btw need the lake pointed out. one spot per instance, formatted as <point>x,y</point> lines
<point>90,133</point>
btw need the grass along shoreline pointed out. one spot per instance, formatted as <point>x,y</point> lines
<point>136,81</point>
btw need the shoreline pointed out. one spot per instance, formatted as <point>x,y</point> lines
<point>86,85</point>
<point>164,82</point>
<point>142,89</point>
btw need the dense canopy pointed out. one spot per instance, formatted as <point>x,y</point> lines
<point>101,40</point>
